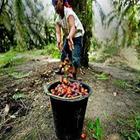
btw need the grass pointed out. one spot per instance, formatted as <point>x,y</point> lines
<point>19,75</point>
<point>13,58</point>
<point>129,86</point>
<point>50,50</point>
<point>102,76</point>
<point>102,52</point>
<point>121,84</point>
<point>94,129</point>
<point>130,127</point>
<point>18,95</point>
<point>32,135</point>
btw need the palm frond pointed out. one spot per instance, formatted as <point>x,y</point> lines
<point>126,12</point>
<point>31,5</point>
<point>5,20</point>
<point>21,30</point>
<point>111,18</point>
<point>102,13</point>
<point>123,42</point>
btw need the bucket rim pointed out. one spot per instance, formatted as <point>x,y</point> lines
<point>74,99</point>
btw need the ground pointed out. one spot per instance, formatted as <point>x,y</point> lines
<point>25,110</point>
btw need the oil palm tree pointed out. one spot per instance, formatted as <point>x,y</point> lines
<point>84,11</point>
<point>126,13</point>
<point>6,28</point>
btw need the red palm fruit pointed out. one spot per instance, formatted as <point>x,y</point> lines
<point>85,93</point>
<point>64,91</point>
<point>69,96</point>
<point>75,94</point>
<point>86,90</point>
<point>69,91</point>
<point>70,69</point>
<point>61,79</point>
<point>52,91</point>
<point>82,89</point>
<point>83,136</point>
<point>71,85</point>
<point>65,81</point>
<point>65,62</point>
<point>65,86</point>
<point>56,88</point>
<point>59,90</point>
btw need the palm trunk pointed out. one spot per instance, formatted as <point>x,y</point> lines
<point>81,7</point>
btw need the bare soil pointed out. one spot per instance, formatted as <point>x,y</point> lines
<point>30,118</point>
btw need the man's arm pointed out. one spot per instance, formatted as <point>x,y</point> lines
<point>71,22</point>
<point>58,36</point>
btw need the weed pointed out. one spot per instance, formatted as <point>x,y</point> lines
<point>95,129</point>
<point>18,95</point>
<point>102,76</point>
<point>121,84</point>
<point>130,127</point>
<point>11,58</point>
<point>19,75</point>
<point>49,50</point>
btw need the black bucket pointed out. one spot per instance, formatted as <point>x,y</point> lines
<point>68,114</point>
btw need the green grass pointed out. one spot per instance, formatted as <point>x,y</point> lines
<point>102,51</point>
<point>18,95</point>
<point>110,51</point>
<point>50,50</point>
<point>102,76</point>
<point>94,129</point>
<point>13,58</point>
<point>130,127</point>
<point>121,84</point>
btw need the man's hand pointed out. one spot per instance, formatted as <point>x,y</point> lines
<point>70,43</point>
<point>59,45</point>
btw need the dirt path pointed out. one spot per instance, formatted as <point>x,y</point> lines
<point>107,102</point>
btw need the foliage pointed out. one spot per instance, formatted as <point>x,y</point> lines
<point>18,95</point>
<point>100,51</point>
<point>102,76</point>
<point>125,17</point>
<point>121,83</point>
<point>126,14</point>
<point>53,51</point>
<point>49,32</point>
<point>6,28</point>
<point>130,127</point>
<point>95,43</point>
<point>12,57</point>
<point>95,129</point>
<point>21,29</point>
<point>22,25</point>
<point>50,50</point>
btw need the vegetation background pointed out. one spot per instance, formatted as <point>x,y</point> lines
<point>27,35</point>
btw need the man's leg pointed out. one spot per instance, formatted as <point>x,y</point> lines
<point>76,55</point>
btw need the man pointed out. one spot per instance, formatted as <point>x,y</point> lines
<point>73,31</point>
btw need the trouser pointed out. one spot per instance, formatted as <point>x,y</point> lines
<point>75,55</point>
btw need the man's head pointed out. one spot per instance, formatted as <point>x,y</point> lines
<point>59,7</point>
<point>65,1</point>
